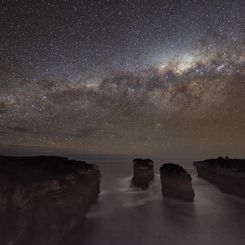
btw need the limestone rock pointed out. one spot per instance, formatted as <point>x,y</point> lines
<point>176,182</point>
<point>143,173</point>
<point>42,198</point>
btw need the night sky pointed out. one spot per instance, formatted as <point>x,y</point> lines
<point>160,78</point>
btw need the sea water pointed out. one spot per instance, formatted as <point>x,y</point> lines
<point>125,215</point>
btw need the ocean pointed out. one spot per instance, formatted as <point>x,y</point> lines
<point>124,215</point>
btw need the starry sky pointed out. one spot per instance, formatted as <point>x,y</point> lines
<point>161,78</point>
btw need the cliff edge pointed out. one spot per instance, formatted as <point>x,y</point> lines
<point>225,173</point>
<point>44,198</point>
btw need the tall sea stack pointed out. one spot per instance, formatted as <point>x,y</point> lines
<point>225,173</point>
<point>176,182</point>
<point>143,172</point>
<point>42,199</point>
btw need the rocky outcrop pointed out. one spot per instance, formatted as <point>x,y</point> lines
<point>42,199</point>
<point>143,173</point>
<point>225,173</point>
<point>176,182</point>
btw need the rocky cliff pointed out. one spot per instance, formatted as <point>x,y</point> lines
<point>42,199</point>
<point>143,173</point>
<point>227,174</point>
<point>176,182</point>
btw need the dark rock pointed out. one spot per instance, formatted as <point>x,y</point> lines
<point>176,182</point>
<point>227,174</point>
<point>42,199</point>
<point>143,173</point>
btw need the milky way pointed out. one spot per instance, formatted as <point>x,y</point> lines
<point>159,78</point>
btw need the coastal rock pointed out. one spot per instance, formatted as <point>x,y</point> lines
<point>143,173</point>
<point>176,182</point>
<point>225,173</point>
<point>43,199</point>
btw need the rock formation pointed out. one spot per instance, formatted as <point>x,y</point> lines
<point>227,174</point>
<point>176,182</point>
<point>143,173</point>
<point>42,199</point>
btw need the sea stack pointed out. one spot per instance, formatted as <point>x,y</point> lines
<point>176,182</point>
<point>42,199</point>
<point>225,173</point>
<point>143,173</point>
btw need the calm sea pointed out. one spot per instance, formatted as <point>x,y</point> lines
<point>124,215</point>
